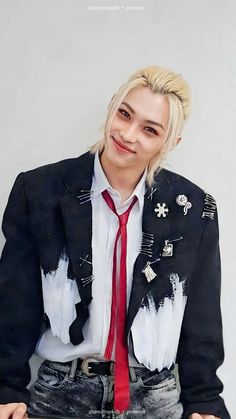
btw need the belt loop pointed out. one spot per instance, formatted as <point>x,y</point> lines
<point>132,373</point>
<point>73,367</point>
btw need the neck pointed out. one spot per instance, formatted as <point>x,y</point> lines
<point>122,179</point>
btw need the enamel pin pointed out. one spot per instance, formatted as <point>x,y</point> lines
<point>168,247</point>
<point>161,210</point>
<point>182,200</point>
<point>148,271</point>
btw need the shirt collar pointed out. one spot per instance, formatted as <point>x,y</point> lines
<point>101,183</point>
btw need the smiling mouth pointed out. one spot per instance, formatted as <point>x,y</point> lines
<point>123,148</point>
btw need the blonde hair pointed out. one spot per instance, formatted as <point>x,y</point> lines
<point>159,80</point>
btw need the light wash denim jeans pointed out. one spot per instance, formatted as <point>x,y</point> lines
<point>58,393</point>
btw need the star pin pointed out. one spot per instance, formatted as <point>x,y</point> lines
<point>161,210</point>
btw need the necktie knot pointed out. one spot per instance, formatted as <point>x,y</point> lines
<point>123,218</point>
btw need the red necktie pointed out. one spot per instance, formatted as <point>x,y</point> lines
<point>118,314</point>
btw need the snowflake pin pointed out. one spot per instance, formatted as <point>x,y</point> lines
<point>161,210</point>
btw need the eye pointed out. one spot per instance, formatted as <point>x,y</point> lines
<point>152,130</point>
<point>124,113</point>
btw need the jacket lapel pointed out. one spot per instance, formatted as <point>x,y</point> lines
<point>158,229</point>
<point>76,210</point>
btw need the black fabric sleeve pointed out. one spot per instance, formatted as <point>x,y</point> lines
<point>21,304</point>
<point>201,350</point>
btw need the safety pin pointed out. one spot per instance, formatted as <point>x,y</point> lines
<point>85,260</point>
<point>85,196</point>
<point>152,192</point>
<point>87,280</point>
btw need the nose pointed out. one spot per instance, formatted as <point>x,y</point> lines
<point>129,134</point>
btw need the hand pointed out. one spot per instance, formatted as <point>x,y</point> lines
<point>13,411</point>
<point>198,416</point>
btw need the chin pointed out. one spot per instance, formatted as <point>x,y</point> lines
<point>116,160</point>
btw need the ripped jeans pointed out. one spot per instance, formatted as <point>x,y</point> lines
<point>60,393</point>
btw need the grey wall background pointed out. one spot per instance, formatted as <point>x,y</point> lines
<point>62,60</point>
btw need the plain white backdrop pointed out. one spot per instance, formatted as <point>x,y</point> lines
<point>62,60</point>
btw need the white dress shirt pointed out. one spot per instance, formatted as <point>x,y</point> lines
<point>105,225</point>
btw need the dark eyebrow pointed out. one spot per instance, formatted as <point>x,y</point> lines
<point>146,120</point>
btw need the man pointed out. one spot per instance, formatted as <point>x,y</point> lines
<point>123,258</point>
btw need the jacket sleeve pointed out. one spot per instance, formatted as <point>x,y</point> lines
<point>21,307</point>
<point>201,349</point>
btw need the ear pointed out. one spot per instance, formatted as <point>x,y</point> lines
<point>177,141</point>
